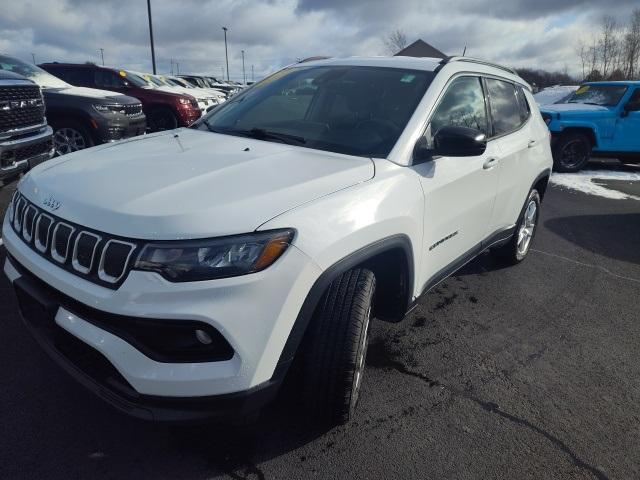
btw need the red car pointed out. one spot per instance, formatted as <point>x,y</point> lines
<point>164,110</point>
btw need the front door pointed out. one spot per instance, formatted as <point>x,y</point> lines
<point>459,192</point>
<point>627,134</point>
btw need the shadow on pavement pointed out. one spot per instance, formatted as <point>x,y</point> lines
<point>616,236</point>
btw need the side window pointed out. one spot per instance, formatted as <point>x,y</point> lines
<point>75,76</point>
<point>107,78</point>
<point>505,108</point>
<point>635,97</point>
<point>525,110</point>
<point>462,105</point>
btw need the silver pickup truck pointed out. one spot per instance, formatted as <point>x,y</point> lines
<point>25,137</point>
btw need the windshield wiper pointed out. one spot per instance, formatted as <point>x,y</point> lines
<point>260,134</point>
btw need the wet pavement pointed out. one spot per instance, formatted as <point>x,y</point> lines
<point>525,372</point>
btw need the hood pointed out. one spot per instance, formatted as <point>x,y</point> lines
<point>89,93</point>
<point>188,183</point>
<point>574,108</point>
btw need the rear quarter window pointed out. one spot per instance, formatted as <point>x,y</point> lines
<point>506,110</point>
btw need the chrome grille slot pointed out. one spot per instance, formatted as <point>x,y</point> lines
<point>95,256</point>
<point>60,241</point>
<point>28,220</point>
<point>17,221</point>
<point>12,206</point>
<point>43,227</point>
<point>114,260</point>
<point>84,250</point>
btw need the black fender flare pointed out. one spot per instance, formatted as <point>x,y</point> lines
<point>324,280</point>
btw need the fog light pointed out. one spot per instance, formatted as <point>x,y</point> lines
<point>203,337</point>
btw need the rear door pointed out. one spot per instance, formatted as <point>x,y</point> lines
<point>515,135</point>
<point>459,191</point>
<point>109,80</point>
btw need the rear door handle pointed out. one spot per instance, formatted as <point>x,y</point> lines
<point>490,163</point>
<point>532,143</point>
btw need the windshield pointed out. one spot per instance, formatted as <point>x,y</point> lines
<point>136,80</point>
<point>345,109</point>
<point>604,95</point>
<point>38,75</point>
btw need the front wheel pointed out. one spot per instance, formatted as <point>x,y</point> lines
<point>335,348</point>
<point>70,136</point>
<point>160,119</point>
<point>571,152</point>
<point>518,246</point>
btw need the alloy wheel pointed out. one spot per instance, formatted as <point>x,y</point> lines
<point>525,233</point>
<point>67,140</point>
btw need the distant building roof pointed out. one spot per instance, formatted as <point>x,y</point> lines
<point>420,48</point>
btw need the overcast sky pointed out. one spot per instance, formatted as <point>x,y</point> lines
<point>273,33</point>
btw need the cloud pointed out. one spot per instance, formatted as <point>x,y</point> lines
<point>274,33</point>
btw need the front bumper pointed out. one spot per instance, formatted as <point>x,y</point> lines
<point>112,130</point>
<point>255,314</point>
<point>42,313</point>
<point>24,152</point>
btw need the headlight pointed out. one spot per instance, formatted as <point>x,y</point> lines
<point>115,109</point>
<point>231,256</point>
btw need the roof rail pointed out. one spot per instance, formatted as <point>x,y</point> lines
<point>478,61</point>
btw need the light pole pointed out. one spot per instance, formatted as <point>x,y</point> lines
<point>252,77</point>
<point>153,52</point>
<point>102,55</point>
<point>244,75</point>
<point>226,52</point>
<point>33,55</point>
<point>178,68</point>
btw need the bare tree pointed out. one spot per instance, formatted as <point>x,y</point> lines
<point>608,44</point>
<point>631,46</point>
<point>395,41</point>
<point>583,51</point>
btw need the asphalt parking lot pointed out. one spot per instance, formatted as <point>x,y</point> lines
<point>501,373</point>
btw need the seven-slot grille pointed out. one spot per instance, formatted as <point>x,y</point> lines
<point>132,109</point>
<point>95,256</point>
<point>20,106</point>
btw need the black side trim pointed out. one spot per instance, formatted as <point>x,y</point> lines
<point>322,283</point>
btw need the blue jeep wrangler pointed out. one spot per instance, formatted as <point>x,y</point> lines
<point>599,119</point>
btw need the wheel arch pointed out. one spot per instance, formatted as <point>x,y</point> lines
<point>589,131</point>
<point>55,115</point>
<point>389,258</point>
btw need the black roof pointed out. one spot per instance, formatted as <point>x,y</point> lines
<point>420,48</point>
<point>6,75</point>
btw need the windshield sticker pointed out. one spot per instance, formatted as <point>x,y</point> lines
<point>122,73</point>
<point>582,90</point>
<point>408,78</point>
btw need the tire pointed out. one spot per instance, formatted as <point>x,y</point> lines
<point>70,136</point>
<point>160,119</point>
<point>571,152</point>
<point>518,247</point>
<point>335,348</point>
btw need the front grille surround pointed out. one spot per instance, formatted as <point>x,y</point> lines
<point>21,106</point>
<point>64,244</point>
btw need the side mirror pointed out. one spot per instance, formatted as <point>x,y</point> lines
<point>451,141</point>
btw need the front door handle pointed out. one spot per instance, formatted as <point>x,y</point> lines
<point>532,143</point>
<point>490,163</point>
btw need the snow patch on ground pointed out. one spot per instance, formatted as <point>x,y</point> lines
<point>583,182</point>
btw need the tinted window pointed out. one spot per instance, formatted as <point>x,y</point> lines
<point>635,97</point>
<point>81,77</point>
<point>355,110</point>
<point>462,105</point>
<point>107,78</point>
<point>505,108</point>
<point>525,110</point>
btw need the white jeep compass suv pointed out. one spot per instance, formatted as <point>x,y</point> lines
<point>180,275</point>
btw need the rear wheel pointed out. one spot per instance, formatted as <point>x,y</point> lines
<point>518,246</point>
<point>335,348</point>
<point>571,152</point>
<point>161,119</point>
<point>70,136</point>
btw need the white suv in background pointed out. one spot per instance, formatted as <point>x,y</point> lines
<point>180,275</point>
